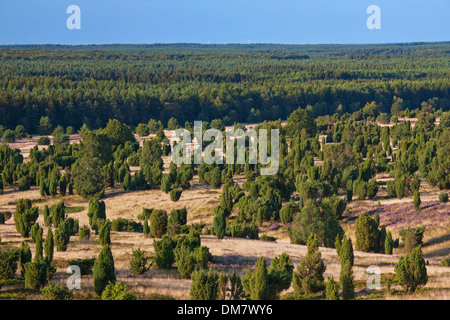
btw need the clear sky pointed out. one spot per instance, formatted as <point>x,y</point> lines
<point>223,21</point>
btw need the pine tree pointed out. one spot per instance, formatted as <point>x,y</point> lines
<point>49,245</point>
<point>310,270</point>
<point>104,270</point>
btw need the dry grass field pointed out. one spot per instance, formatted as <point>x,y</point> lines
<point>234,254</point>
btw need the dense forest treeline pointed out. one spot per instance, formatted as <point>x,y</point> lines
<point>235,83</point>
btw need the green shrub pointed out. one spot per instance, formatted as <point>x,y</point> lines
<point>138,262</point>
<point>203,255</point>
<point>265,237</point>
<point>411,271</point>
<point>164,255</point>
<point>56,292</point>
<point>366,233</point>
<point>104,235</point>
<point>445,262</point>
<point>158,223</point>
<point>185,260</point>
<point>204,285</point>
<point>390,189</point>
<point>8,263</point>
<point>332,289</point>
<point>84,233</point>
<point>24,257</point>
<point>443,197</point>
<point>43,141</point>
<point>287,213</point>
<point>124,225</point>
<point>117,291</point>
<point>178,216</point>
<point>58,213</point>
<point>62,236</point>
<point>85,265</point>
<point>9,136</point>
<point>175,194</point>
<point>25,216</point>
<point>24,184</point>
<point>36,275</point>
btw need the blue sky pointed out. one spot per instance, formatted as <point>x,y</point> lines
<point>223,21</point>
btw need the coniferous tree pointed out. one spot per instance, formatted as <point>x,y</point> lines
<point>309,275</point>
<point>366,233</point>
<point>256,284</point>
<point>62,236</point>
<point>236,288</point>
<point>388,243</point>
<point>49,245</point>
<point>347,282</point>
<point>226,200</point>
<point>411,270</point>
<point>38,256</point>
<point>47,217</point>
<point>205,285</point>
<point>146,228</point>
<point>104,270</point>
<point>164,252</point>
<point>25,256</point>
<point>222,286</point>
<point>332,289</point>
<point>25,216</point>
<point>417,200</point>
<point>185,260</point>
<point>138,262</point>
<point>220,225</point>
<point>104,235</point>
<point>158,223</point>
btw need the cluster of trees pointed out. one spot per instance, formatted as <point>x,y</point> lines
<point>239,84</point>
